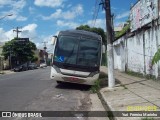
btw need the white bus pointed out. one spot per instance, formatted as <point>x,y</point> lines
<point>76,57</point>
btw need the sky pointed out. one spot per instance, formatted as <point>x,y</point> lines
<point>39,20</point>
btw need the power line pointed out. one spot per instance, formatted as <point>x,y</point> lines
<point>95,13</point>
<point>96,16</point>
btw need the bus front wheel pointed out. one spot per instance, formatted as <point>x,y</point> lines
<point>59,82</point>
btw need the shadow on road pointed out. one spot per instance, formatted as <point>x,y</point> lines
<point>73,86</point>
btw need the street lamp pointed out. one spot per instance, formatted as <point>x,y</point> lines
<point>5,16</point>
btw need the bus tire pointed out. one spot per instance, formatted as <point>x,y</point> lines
<point>59,82</point>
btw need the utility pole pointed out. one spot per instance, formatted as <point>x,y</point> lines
<point>109,30</point>
<point>45,58</point>
<point>17,31</point>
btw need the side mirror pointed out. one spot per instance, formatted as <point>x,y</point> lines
<point>103,49</point>
<point>54,38</point>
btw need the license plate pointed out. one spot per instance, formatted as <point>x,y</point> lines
<point>73,79</point>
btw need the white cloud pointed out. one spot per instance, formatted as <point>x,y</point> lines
<point>78,9</point>
<point>30,27</point>
<point>13,4</point>
<point>15,7</point>
<point>20,4</point>
<point>70,5</point>
<point>6,35</point>
<point>49,3</point>
<point>5,2</point>
<point>61,23</point>
<point>98,23</point>
<point>31,10</point>
<point>27,31</point>
<point>123,15</point>
<point>3,37</point>
<point>21,18</point>
<point>48,40</point>
<point>70,14</point>
<point>57,14</point>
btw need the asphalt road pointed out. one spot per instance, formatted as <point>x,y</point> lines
<point>34,91</point>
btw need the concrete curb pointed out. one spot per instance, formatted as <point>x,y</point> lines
<point>105,105</point>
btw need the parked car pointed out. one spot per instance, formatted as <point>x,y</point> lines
<point>43,65</point>
<point>32,66</point>
<point>22,67</point>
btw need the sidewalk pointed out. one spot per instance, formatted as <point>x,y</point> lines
<point>6,72</point>
<point>136,93</point>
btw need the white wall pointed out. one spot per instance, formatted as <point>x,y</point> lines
<point>136,52</point>
<point>119,54</point>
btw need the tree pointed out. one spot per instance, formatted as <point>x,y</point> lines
<point>19,51</point>
<point>99,31</point>
<point>35,58</point>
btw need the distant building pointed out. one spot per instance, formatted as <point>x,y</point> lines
<point>42,56</point>
<point>120,27</point>
<point>4,64</point>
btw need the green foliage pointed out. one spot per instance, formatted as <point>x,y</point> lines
<point>99,31</point>
<point>123,31</point>
<point>135,74</point>
<point>156,57</point>
<point>22,52</point>
<point>100,83</point>
<point>95,88</point>
<point>104,59</point>
<point>140,75</point>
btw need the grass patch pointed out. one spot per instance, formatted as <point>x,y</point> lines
<point>101,82</point>
<point>147,119</point>
<point>124,86</point>
<point>96,87</point>
<point>136,74</point>
<point>140,75</point>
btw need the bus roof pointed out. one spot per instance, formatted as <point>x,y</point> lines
<point>82,33</point>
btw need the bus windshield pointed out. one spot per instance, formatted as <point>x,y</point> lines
<point>78,51</point>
